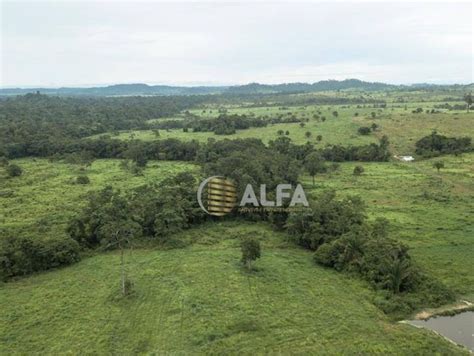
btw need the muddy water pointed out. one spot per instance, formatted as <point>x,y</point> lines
<point>458,328</point>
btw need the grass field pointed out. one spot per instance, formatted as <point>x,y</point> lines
<point>430,212</point>
<point>44,198</point>
<point>199,300</point>
<point>401,126</point>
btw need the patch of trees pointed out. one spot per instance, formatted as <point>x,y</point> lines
<point>450,107</point>
<point>436,145</point>
<point>369,153</point>
<point>84,151</point>
<point>335,153</point>
<point>250,162</point>
<point>343,239</point>
<point>148,211</point>
<point>226,124</point>
<point>31,123</point>
<point>22,255</point>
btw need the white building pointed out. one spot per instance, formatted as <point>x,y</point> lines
<point>405,158</point>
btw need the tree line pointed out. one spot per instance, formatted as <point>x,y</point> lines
<point>435,145</point>
<point>33,120</point>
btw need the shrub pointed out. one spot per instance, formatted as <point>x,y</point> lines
<point>83,180</point>
<point>24,255</point>
<point>325,255</point>
<point>364,130</point>
<point>358,170</point>
<point>438,165</point>
<point>14,170</point>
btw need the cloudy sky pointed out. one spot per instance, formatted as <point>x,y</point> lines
<point>65,43</point>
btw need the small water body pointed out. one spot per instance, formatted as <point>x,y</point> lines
<point>458,328</point>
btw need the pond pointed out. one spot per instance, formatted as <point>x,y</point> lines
<point>458,328</point>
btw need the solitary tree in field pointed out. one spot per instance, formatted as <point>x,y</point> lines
<point>307,134</point>
<point>250,248</point>
<point>438,165</point>
<point>315,164</point>
<point>280,132</point>
<point>468,100</point>
<point>120,233</point>
<point>302,124</point>
<point>319,138</point>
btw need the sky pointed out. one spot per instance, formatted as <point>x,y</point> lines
<point>67,43</point>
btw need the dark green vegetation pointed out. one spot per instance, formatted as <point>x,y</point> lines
<point>151,273</point>
<point>436,145</point>
<point>250,251</point>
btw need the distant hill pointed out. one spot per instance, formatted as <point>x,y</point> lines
<point>119,90</point>
<point>252,88</point>
<point>255,88</point>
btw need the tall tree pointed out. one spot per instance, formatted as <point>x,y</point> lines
<point>468,100</point>
<point>250,251</point>
<point>315,164</point>
<point>120,233</point>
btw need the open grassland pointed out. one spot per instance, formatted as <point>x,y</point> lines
<point>44,198</point>
<point>396,121</point>
<point>404,130</point>
<point>200,300</point>
<point>431,212</point>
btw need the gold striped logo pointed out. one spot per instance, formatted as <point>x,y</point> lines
<point>221,196</point>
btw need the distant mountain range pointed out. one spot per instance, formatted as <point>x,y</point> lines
<point>252,88</point>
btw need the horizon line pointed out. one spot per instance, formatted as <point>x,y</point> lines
<point>211,84</point>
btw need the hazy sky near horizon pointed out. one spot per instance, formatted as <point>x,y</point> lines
<point>66,43</point>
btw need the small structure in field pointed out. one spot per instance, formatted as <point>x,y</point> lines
<point>404,158</point>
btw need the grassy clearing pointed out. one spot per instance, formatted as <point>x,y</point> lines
<point>200,300</point>
<point>396,121</point>
<point>42,200</point>
<point>430,212</point>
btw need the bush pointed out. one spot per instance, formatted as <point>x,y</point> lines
<point>83,180</point>
<point>364,130</point>
<point>23,255</point>
<point>358,170</point>
<point>325,255</point>
<point>14,170</point>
